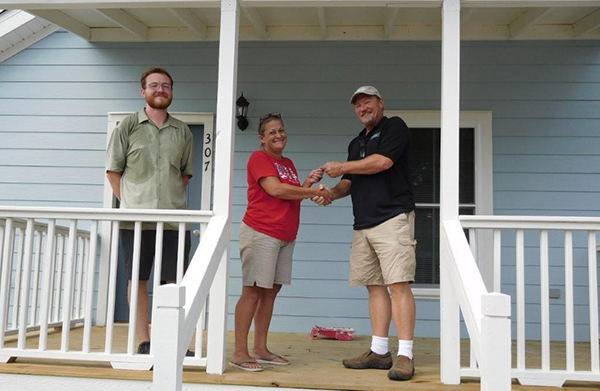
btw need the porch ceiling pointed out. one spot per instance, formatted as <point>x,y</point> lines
<point>276,20</point>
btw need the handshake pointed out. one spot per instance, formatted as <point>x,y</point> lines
<point>324,195</point>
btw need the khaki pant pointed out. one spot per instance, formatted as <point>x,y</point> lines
<point>384,254</point>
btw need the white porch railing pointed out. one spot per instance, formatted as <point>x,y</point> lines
<point>66,260</point>
<point>544,228</point>
<point>486,315</point>
<point>25,318</point>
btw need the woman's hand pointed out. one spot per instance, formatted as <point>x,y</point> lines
<point>323,196</point>
<point>315,176</point>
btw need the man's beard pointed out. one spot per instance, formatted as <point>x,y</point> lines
<point>369,119</point>
<point>158,105</point>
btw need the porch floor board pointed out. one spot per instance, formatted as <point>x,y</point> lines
<point>314,364</point>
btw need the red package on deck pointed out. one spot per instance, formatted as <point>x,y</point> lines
<point>339,333</point>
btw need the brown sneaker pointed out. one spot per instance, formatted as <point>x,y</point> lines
<point>369,360</point>
<point>404,369</point>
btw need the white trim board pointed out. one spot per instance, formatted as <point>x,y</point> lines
<point>481,121</point>
<point>9,382</point>
<point>205,119</point>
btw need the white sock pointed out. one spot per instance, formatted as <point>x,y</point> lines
<point>379,345</point>
<point>405,348</point>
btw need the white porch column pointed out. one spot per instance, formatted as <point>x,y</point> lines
<point>449,310</point>
<point>225,132</point>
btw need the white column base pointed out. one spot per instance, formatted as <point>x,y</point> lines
<point>538,381</point>
<point>7,359</point>
<point>134,366</point>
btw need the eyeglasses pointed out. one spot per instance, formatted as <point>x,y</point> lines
<point>156,86</point>
<point>266,117</point>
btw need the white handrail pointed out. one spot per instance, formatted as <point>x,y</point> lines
<point>469,285</point>
<point>143,215</point>
<point>486,315</point>
<point>531,222</point>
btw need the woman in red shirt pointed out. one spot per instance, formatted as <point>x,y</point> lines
<point>267,237</point>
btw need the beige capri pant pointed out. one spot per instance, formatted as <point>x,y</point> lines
<point>265,259</point>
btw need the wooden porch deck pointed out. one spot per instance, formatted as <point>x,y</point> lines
<point>315,365</point>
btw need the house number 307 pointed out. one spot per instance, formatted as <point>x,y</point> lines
<point>207,152</point>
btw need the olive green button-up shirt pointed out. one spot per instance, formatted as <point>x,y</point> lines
<point>152,161</point>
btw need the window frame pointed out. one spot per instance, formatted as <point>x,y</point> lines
<point>481,122</point>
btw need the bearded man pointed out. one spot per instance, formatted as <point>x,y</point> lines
<point>149,164</point>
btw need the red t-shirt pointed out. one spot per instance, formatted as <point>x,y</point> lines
<point>266,214</point>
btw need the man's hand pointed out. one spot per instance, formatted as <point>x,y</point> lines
<point>333,169</point>
<point>324,198</point>
<point>315,176</point>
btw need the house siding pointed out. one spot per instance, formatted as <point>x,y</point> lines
<point>544,97</point>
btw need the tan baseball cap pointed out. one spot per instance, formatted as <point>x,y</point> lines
<point>367,90</point>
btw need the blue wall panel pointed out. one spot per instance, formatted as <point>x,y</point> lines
<point>545,107</point>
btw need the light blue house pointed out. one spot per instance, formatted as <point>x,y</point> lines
<point>529,139</point>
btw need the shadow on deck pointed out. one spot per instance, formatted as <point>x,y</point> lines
<point>314,364</point>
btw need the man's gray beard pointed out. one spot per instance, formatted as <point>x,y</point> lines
<point>369,121</point>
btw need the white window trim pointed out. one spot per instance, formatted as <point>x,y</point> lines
<point>205,119</point>
<point>481,121</point>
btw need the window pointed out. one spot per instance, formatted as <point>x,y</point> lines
<point>475,187</point>
<point>425,176</point>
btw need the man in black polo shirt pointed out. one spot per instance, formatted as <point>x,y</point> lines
<point>376,175</point>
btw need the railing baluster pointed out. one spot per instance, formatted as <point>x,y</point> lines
<point>78,275</point>
<point>497,260</point>
<point>135,283</point>
<point>569,321</point>
<point>49,256</point>
<point>59,278</point>
<point>23,312</point>
<point>202,319</point>
<point>593,291</point>
<point>2,224</point>
<point>67,307</point>
<point>89,287</point>
<point>6,262</point>
<point>200,333</point>
<point>18,276</point>
<point>112,286</point>
<point>53,277</point>
<point>545,300</point>
<point>160,227</point>
<point>473,246</point>
<point>83,283</point>
<point>180,252</point>
<point>520,244</point>
<point>36,277</point>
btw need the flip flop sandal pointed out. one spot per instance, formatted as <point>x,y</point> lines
<point>240,365</point>
<point>271,360</point>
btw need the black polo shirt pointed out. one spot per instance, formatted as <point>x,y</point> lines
<point>379,197</point>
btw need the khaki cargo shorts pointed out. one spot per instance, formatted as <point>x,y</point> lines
<point>384,254</point>
<point>265,259</point>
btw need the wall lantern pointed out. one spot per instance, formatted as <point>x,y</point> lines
<point>242,112</point>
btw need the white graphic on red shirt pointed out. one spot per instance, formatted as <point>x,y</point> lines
<point>287,174</point>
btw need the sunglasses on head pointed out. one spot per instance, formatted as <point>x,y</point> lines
<point>267,117</point>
